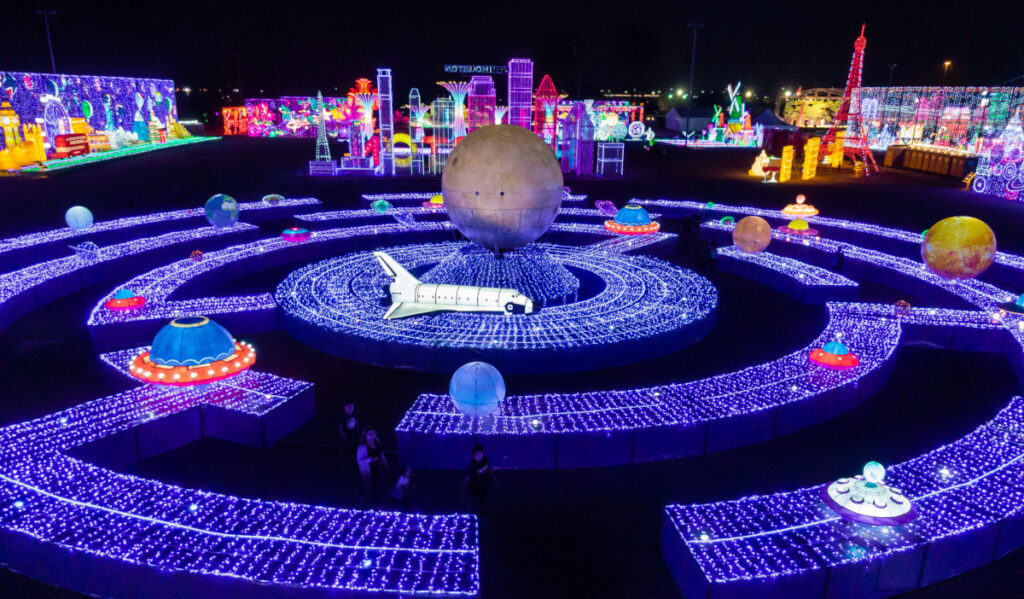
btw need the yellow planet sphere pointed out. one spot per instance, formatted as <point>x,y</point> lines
<point>752,234</point>
<point>437,199</point>
<point>959,247</point>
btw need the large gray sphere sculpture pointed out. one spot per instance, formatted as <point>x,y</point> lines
<point>502,187</point>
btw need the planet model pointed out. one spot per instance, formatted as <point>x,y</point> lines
<point>79,218</point>
<point>502,187</point>
<point>752,234</point>
<point>477,388</point>
<point>632,220</point>
<point>191,351</point>
<point>959,247</point>
<point>381,206</point>
<point>867,499</point>
<point>221,211</point>
<point>273,199</point>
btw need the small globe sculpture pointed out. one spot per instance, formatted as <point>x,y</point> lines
<point>477,389</point>
<point>959,247</point>
<point>79,218</point>
<point>502,187</point>
<point>273,199</point>
<point>221,211</point>
<point>752,234</point>
<point>381,206</point>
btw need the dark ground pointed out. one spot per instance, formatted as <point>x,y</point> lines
<point>578,533</point>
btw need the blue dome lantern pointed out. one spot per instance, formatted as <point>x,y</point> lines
<point>191,341</point>
<point>633,216</point>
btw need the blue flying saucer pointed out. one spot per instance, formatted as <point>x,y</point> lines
<point>191,341</point>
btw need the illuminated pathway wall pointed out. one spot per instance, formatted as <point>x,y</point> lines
<point>68,520</point>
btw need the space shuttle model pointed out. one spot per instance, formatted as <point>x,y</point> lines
<point>410,297</point>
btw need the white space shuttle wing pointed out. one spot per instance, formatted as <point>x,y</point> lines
<point>394,269</point>
<point>401,310</point>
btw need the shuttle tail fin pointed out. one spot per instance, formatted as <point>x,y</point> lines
<point>394,269</point>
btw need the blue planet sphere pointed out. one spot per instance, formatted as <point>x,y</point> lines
<point>78,218</point>
<point>222,211</point>
<point>477,389</point>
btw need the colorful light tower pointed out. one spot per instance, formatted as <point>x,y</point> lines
<point>442,119</point>
<point>482,100</point>
<point>385,118</point>
<point>323,151</point>
<point>520,91</point>
<point>545,122</point>
<point>416,112</point>
<point>499,114</point>
<point>367,102</point>
<point>848,117</point>
<point>458,91</point>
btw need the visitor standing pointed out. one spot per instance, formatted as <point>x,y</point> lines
<point>401,488</point>
<point>348,427</point>
<point>479,476</point>
<point>371,460</point>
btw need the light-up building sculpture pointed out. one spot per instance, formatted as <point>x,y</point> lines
<point>545,125</point>
<point>442,117</point>
<point>482,101</point>
<point>499,114</point>
<point>416,113</point>
<point>577,141</point>
<point>520,91</point>
<point>386,120</point>
<point>458,91</point>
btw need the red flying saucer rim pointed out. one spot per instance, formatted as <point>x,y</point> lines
<point>128,303</point>
<point>148,371</point>
<point>615,227</point>
<point>834,361</point>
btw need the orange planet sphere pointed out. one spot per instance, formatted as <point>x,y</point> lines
<point>959,247</point>
<point>752,234</point>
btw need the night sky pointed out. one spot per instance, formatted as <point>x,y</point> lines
<point>294,48</point>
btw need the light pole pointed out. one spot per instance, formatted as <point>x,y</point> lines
<point>945,69</point>
<point>693,61</point>
<point>892,68</point>
<point>46,20</point>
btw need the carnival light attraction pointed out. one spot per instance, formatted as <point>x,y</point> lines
<point>715,379</point>
<point>57,121</point>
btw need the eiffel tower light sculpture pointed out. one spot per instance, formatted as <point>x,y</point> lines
<point>849,117</point>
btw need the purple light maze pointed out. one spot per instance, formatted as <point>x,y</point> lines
<point>419,197</point>
<point>651,243</point>
<point>892,271</point>
<point>967,494</point>
<point>16,252</point>
<point>242,314</point>
<point>24,290</point>
<point>81,526</point>
<point>808,283</point>
<point>1006,270</point>
<point>565,430</point>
